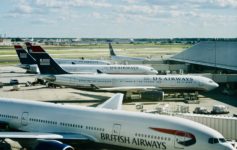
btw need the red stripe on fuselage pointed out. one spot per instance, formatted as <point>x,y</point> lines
<point>174,132</point>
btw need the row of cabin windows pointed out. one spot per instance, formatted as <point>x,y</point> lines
<point>152,137</point>
<point>124,67</point>
<point>95,128</point>
<point>93,81</point>
<point>70,125</point>
<point>43,121</point>
<point>8,116</point>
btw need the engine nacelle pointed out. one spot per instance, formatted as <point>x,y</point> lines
<point>52,145</point>
<point>4,126</point>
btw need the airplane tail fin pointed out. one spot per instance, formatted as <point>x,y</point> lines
<point>111,50</point>
<point>46,63</point>
<point>114,103</point>
<point>24,57</point>
<point>28,47</point>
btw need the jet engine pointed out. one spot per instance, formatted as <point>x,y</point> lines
<point>4,126</point>
<point>52,145</point>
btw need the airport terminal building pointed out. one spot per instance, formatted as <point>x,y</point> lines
<point>216,57</point>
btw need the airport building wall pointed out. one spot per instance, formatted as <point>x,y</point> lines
<point>227,126</point>
<point>218,54</point>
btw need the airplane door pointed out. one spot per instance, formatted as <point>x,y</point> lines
<point>179,138</point>
<point>116,129</point>
<point>24,118</point>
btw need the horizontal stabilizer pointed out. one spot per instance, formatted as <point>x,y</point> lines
<point>115,102</point>
<point>99,72</point>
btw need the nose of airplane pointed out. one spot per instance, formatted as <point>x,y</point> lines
<point>213,86</point>
<point>229,147</point>
<point>155,72</point>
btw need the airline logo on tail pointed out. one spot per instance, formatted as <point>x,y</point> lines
<point>190,139</point>
<point>45,62</point>
<point>23,55</point>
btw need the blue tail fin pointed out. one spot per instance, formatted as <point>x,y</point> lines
<point>29,49</point>
<point>45,63</point>
<point>24,57</point>
<point>111,50</point>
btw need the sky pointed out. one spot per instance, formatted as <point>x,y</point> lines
<point>119,18</point>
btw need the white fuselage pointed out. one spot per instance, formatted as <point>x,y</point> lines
<point>120,128</point>
<point>125,58</point>
<point>82,61</point>
<point>109,69</point>
<point>33,68</point>
<point>164,82</point>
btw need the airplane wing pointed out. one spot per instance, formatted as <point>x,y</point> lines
<point>38,135</point>
<point>126,88</point>
<point>115,102</point>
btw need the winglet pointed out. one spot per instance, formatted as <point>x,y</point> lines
<point>24,57</point>
<point>114,103</point>
<point>111,50</point>
<point>46,63</point>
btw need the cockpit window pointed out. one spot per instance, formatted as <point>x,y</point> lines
<point>222,140</point>
<point>210,81</point>
<point>213,140</point>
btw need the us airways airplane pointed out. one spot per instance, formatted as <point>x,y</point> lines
<point>71,61</point>
<point>123,58</point>
<point>26,60</point>
<point>52,72</point>
<point>29,63</point>
<point>47,126</point>
<point>108,69</point>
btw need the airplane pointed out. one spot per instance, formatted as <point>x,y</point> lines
<point>85,68</point>
<point>115,57</point>
<point>29,63</point>
<point>49,126</point>
<point>71,61</point>
<point>55,74</point>
<point>26,60</point>
<point>108,69</point>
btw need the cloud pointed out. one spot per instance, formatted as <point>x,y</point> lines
<point>72,3</point>
<point>22,7</point>
<point>224,3</point>
<point>43,21</point>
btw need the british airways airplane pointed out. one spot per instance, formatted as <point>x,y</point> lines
<point>115,57</point>
<point>47,126</point>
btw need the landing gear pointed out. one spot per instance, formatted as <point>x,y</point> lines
<point>191,96</point>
